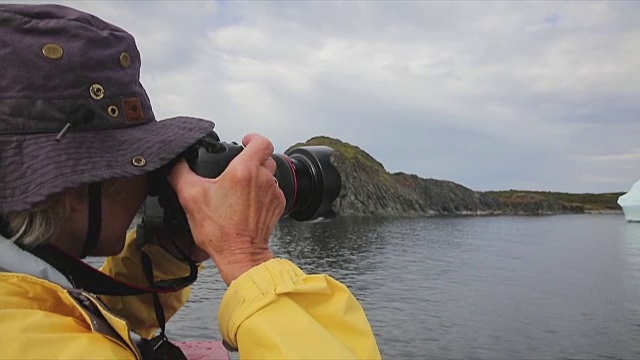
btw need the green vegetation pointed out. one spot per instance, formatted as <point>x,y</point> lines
<point>591,202</point>
<point>350,152</point>
<point>354,161</point>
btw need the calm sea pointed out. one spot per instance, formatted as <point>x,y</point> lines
<point>552,287</point>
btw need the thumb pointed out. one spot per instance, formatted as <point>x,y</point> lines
<point>183,180</point>
<point>257,149</point>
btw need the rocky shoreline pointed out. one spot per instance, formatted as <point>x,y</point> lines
<point>368,189</point>
<point>604,212</point>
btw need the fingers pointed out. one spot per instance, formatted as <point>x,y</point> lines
<point>186,184</point>
<point>257,149</point>
<point>261,147</point>
<point>270,165</point>
<point>181,176</point>
<point>231,217</point>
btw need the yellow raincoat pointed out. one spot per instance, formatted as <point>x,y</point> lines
<point>272,311</point>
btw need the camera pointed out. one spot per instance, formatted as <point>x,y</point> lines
<point>308,180</point>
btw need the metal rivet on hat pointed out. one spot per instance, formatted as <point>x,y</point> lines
<point>139,161</point>
<point>52,51</point>
<point>112,110</point>
<point>96,91</point>
<point>125,61</point>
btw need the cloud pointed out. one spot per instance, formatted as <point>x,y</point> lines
<point>634,156</point>
<point>493,95</point>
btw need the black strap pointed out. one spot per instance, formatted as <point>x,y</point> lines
<point>95,220</point>
<point>86,277</point>
<point>148,272</point>
<point>4,228</point>
<point>161,347</point>
<point>90,279</point>
<point>147,266</point>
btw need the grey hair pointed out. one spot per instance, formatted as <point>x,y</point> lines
<point>38,225</point>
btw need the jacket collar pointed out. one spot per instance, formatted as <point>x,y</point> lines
<point>14,259</point>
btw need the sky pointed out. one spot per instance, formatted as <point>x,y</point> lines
<point>490,95</point>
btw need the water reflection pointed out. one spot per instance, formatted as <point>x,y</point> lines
<point>630,237</point>
<point>345,244</point>
<point>630,234</point>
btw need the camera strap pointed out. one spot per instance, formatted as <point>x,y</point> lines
<point>95,219</point>
<point>159,346</point>
<point>84,276</point>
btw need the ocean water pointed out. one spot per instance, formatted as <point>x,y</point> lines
<point>550,287</point>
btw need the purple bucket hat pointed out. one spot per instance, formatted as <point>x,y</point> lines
<point>72,109</point>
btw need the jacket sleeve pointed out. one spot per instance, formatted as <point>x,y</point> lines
<point>138,310</point>
<point>275,310</point>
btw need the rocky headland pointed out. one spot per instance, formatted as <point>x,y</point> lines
<point>369,189</point>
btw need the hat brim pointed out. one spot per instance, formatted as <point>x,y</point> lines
<point>35,166</point>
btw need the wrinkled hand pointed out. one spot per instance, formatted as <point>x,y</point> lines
<point>231,217</point>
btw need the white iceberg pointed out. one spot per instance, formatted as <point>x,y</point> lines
<point>630,203</point>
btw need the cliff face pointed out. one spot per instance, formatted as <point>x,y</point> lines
<point>369,189</point>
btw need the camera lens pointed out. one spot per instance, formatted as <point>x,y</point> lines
<point>309,182</point>
<point>305,175</point>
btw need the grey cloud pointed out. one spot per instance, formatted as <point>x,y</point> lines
<point>492,95</point>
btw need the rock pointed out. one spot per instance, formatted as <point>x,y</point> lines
<point>369,189</point>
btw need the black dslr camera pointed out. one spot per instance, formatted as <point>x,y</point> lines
<point>305,175</point>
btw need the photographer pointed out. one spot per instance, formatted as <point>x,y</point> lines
<point>78,140</point>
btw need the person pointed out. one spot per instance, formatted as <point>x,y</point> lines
<point>78,141</point>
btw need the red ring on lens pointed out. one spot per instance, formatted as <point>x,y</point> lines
<point>295,181</point>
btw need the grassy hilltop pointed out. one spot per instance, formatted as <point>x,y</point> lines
<point>591,202</point>
<point>369,189</point>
